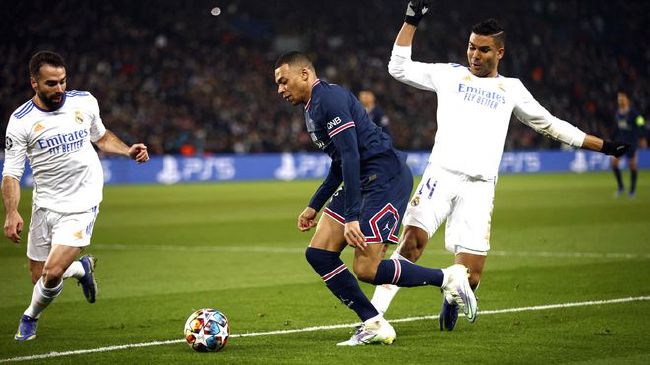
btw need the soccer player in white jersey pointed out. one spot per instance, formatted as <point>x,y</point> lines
<point>474,108</point>
<point>54,129</point>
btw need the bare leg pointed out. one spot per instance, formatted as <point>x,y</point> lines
<point>50,283</point>
<point>475,264</point>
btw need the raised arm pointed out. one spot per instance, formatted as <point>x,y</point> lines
<point>415,10</point>
<point>401,67</point>
<point>405,35</point>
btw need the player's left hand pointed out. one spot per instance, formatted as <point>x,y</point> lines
<point>138,152</point>
<point>615,148</point>
<point>354,236</point>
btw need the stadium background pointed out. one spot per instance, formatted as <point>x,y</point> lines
<point>567,276</point>
<point>184,82</point>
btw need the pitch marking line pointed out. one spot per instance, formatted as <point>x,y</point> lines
<point>323,328</point>
<point>277,249</point>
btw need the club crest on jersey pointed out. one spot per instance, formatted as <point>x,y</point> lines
<point>78,117</point>
<point>415,201</point>
<point>8,143</point>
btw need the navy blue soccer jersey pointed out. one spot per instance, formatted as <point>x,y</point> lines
<point>339,125</point>
<point>629,127</point>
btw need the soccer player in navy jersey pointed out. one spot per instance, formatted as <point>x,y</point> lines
<point>629,128</point>
<point>366,211</point>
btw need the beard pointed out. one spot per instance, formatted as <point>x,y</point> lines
<point>49,102</point>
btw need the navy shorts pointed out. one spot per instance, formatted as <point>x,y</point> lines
<point>383,203</point>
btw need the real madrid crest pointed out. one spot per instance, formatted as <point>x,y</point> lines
<point>415,201</point>
<point>78,117</point>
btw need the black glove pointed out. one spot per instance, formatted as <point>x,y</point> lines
<point>615,148</point>
<point>415,10</point>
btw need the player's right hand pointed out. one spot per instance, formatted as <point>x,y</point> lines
<point>307,219</point>
<point>415,10</point>
<point>13,226</point>
<point>138,152</point>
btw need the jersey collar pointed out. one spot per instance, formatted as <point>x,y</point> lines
<point>312,88</point>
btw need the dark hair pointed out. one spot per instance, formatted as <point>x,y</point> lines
<point>622,89</point>
<point>492,28</point>
<point>294,58</point>
<point>44,58</point>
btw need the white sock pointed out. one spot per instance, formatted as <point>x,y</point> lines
<point>42,297</point>
<point>75,270</point>
<point>385,293</point>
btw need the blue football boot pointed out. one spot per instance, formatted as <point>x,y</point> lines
<point>448,315</point>
<point>87,282</point>
<point>26,328</point>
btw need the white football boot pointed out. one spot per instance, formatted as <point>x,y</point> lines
<point>457,288</point>
<point>375,332</point>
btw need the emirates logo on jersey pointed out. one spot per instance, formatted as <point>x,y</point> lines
<point>8,143</point>
<point>78,117</point>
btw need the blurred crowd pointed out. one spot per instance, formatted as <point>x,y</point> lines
<point>171,75</point>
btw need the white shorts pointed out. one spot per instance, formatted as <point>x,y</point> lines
<point>465,202</point>
<point>49,227</point>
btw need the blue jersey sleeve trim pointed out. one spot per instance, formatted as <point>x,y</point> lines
<point>24,110</point>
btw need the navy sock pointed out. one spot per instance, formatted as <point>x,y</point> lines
<point>633,175</point>
<point>340,281</point>
<point>619,179</point>
<point>406,274</point>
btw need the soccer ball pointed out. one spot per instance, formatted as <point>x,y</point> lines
<point>207,330</point>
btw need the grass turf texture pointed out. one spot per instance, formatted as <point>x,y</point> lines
<point>166,250</point>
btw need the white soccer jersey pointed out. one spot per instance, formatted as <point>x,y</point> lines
<point>68,176</point>
<point>474,113</point>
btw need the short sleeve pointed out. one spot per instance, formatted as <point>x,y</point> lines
<point>97,128</point>
<point>16,141</point>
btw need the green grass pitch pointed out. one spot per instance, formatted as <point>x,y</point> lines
<point>165,251</point>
